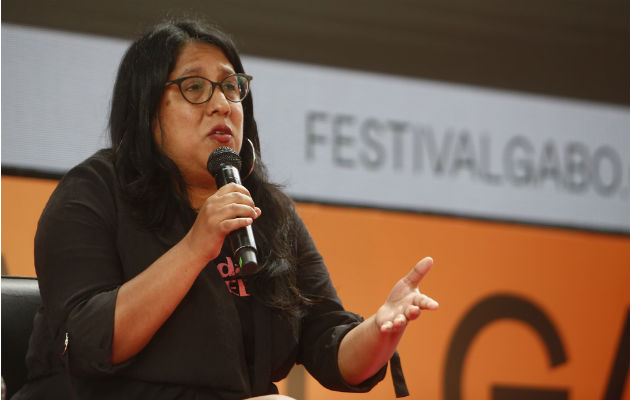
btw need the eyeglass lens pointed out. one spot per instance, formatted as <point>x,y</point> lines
<point>199,90</point>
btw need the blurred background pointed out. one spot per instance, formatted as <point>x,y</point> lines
<point>493,136</point>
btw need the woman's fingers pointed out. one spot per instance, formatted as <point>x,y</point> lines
<point>231,193</point>
<point>405,302</point>
<point>227,210</point>
<point>425,302</point>
<point>398,323</point>
<point>418,272</point>
<point>230,225</point>
<point>232,201</point>
<point>387,326</point>
<point>412,312</point>
<point>233,188</point>
<point>234,210</point>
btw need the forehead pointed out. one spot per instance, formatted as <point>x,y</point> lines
<point>202,58</point>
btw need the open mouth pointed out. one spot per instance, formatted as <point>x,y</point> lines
<point>221,134</point>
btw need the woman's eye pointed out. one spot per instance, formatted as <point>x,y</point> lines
<point>193,86</point>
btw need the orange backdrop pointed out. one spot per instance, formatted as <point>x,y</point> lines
<point>538,283</point>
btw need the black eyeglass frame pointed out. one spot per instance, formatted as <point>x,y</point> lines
<point>179,81</point>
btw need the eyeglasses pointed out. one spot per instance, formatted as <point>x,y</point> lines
<point>198,90</point>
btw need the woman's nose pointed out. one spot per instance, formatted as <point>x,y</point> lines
<point>218,103</point>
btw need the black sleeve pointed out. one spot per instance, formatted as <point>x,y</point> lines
<point>78,268</point>
<point>326,322</point>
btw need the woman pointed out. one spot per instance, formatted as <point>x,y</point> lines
<point>141,298</point>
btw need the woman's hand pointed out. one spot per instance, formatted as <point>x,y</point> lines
<point>229,208</point>
<point>146,301</point>
<point>405,302</point>
<point>369,345</point>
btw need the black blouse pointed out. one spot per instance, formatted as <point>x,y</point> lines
<point>215,345</point>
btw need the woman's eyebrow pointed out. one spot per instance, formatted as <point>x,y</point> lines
<point>227,70</point>
<point>198,70</point>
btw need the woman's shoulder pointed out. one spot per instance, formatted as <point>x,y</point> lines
<point>90,182</point>
<point>98,164</point>
<point>94,172</point>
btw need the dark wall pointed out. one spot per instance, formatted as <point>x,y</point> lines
<point>567,48</point>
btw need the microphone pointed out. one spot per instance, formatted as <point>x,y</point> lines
<point>224,164</point>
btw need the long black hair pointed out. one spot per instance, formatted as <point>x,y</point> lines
<point>153,184</point>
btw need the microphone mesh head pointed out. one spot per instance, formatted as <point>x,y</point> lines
<point>223,156</point>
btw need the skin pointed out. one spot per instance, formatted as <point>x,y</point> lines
<point>184,132</point>
<point>367,347</point>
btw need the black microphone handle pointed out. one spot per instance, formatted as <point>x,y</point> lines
<point>242,239</point>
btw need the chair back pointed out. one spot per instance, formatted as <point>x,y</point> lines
<point>20,301</point>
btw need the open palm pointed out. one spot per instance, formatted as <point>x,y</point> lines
<point>405,302</point>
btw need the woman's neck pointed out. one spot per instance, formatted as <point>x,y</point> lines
<point>197,195</point>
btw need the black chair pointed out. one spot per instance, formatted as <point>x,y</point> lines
<point>20,301</point>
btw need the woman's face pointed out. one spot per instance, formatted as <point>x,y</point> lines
<point>188,133</point>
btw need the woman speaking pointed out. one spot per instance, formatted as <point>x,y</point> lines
<point>142,296</point>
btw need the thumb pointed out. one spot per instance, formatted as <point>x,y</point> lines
<point>418,272</point>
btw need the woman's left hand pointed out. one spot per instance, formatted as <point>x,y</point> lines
<point>405,302</point>
<point>368,346</point>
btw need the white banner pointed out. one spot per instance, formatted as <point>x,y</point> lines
<point>349,137</point>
